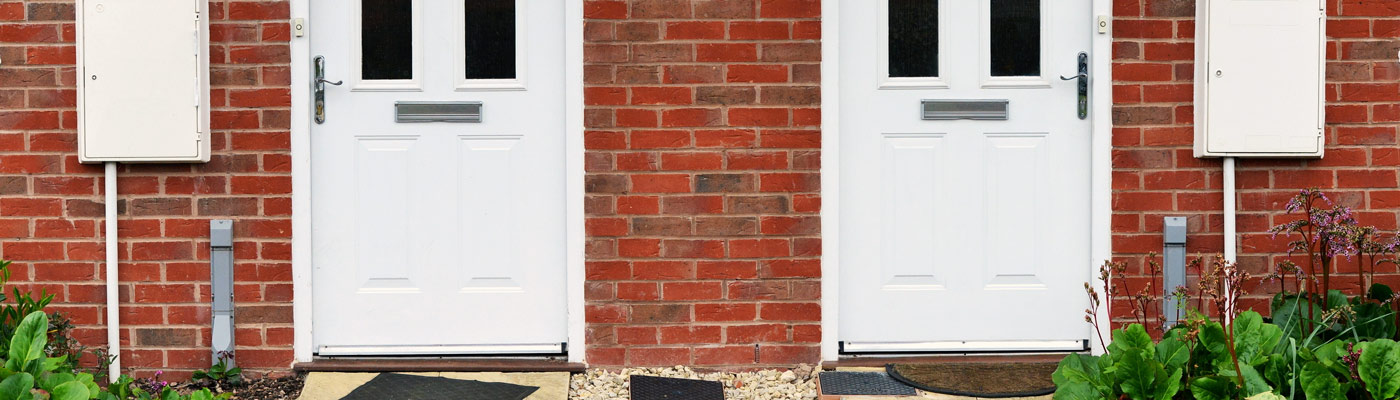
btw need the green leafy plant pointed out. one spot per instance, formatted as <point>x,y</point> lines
<point>126,388</point>
<point>1318,343</point>
<point>30,374</point>
<point>221,373</point>
<point>16,307</point>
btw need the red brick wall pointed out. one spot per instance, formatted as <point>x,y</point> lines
<point>51,207</point>
<point>1155,174</point>
<point>702,157</point>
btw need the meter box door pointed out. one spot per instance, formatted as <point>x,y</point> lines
<point>1259,78</point>
<point>143,80</point>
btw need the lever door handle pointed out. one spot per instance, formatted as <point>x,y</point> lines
<point>318,86</point>
<point>1083,78</point>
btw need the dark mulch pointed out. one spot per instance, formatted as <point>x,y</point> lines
<point>269,388</point>
<point>1013,379</point>
<point>287,387</point>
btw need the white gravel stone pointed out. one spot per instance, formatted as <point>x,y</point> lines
<point>795,384</point>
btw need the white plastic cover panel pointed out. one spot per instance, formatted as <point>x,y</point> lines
<point>143,73</point>
<point>1259,78</point>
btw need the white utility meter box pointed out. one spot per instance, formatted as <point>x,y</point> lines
<point>143,80</point>
<point>1260,69</point>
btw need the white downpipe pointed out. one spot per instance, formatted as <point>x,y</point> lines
<point>114,337</point>
<point>1231,240</point>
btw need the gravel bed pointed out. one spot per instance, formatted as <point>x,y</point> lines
<point>795,384</point>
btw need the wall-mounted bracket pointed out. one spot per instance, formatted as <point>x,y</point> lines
<point>221,286</point>
<point>1173,265</point>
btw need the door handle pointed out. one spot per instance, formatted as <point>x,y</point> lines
<point>319,87</point>
<point>1083,78</point>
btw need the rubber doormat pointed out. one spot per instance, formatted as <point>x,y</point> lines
<point>415,387</point>
<point>657,388</point>
<point>863,383</point>
<point>988,380</point>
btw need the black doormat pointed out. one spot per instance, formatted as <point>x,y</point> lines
<point>414,387</point>
<point>992,380</point>
<point>863,383</point>
<point>657,388</point>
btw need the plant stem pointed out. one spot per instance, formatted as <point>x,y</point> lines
<point>1234,359</point>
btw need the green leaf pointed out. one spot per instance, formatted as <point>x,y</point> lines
<point>1213,388</point>
<point>1374,321</point>
<point>1166,389</point>
<point>86,379</point>
<point>50,381</point>
<point>1138,375</point>
<point>1134,337</point>
<point>1319,383</point>
<point>1266,396</point>
<point>1212,339</point>
<point>16,386</point>
<point>1172,353</point>
<point>1075,391</point>
<point>1254,339</point>
<point>73,390</point>
<point>1379,368</point>
<point>1254,383</point>
<point>202,394</point>
<point>27,345</point>
<point>1083,369</point>
<point>1380,292</point>
<point>1289,312</point>
<point>1330,355</point>
<point>1335,298</point>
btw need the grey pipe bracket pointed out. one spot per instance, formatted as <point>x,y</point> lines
<point>221,286</point>
<point>1173,265</point>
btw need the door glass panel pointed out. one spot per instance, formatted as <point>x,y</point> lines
<point>386,39</point>
<point>490,39</point>
<point>1015,37</point>
<point>913,38</point>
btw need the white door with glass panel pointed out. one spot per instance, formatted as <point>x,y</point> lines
<point>438,177</point>
<point>964,185</point>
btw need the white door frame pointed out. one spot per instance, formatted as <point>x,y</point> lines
<point>302,175</point>
<point>1101,121</point>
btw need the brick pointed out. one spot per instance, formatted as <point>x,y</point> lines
<point>756,333</point>
<point>745,73</point>
<point>689,334</point>
<point>791,312</point>
<point>726,52</point>
<point>657,356</point>
<point>790,8</point>
<point>661,183</point>
<point>661,95</point>
<point>719,312</point>
<point>759,248</point>
<point>758,30</point>
<point>727,355</point>
<point>681,30</point>
<point>788,355</point>
<point>758,117</point>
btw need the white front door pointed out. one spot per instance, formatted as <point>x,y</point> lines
<point>971,232</point>
<point>439,237</point>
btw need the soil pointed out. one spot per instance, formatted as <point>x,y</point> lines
<point>270,388</point>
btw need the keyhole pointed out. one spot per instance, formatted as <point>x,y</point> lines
<point>94,77</point>
<point>1218,73</point>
